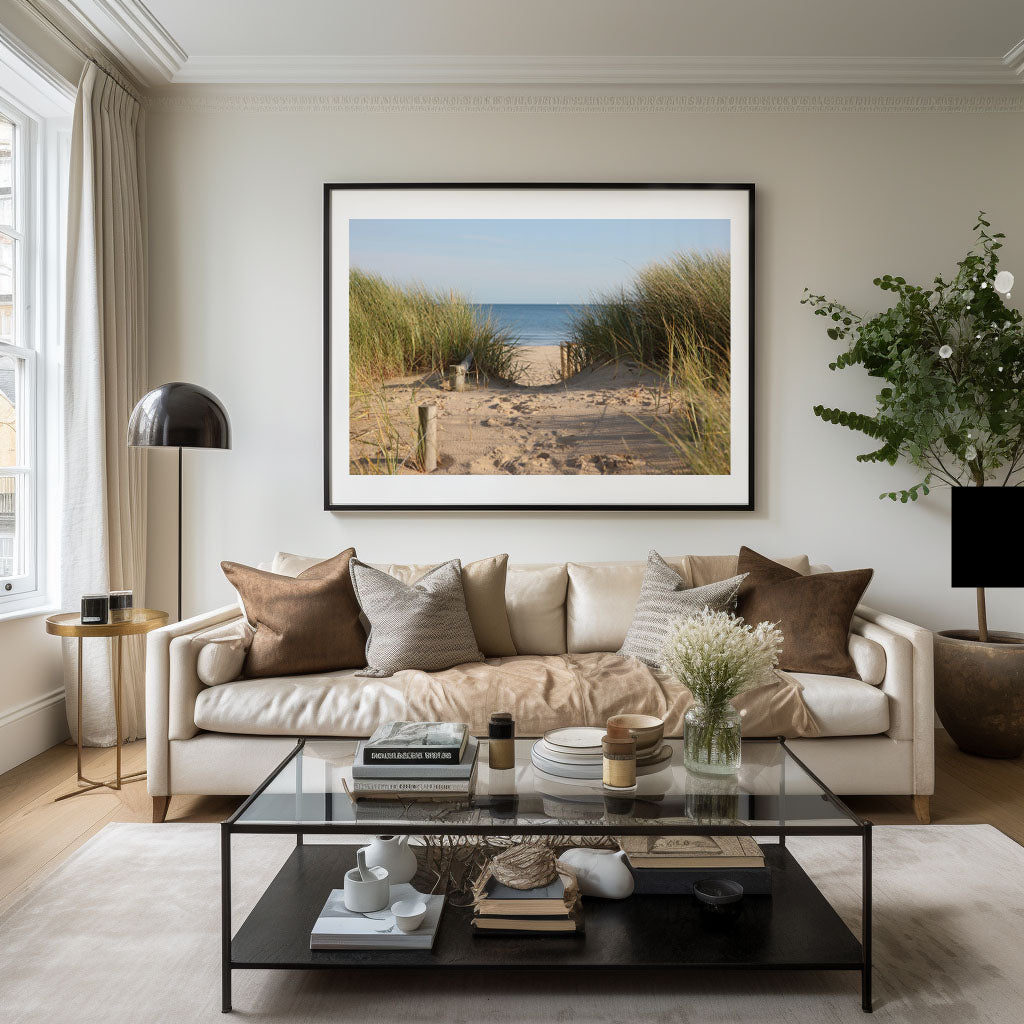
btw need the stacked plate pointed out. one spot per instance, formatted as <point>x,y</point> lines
<point>575,753</point>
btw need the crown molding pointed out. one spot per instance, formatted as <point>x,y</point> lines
<point>128,31</point>
<point>1014,60</point>
<point>297,101</point>
<point>583,71</point>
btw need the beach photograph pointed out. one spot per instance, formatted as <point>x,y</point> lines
<point>505,347</point>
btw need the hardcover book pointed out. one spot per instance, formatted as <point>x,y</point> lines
<point>444,771</point>
<point>413,787</point>
<point>340,928</point>
<point>692,851</point>
<point>417,743</point>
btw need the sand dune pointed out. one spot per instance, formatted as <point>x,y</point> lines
<point>595,422</point>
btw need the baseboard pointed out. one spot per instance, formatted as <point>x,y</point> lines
<point>31,727</point>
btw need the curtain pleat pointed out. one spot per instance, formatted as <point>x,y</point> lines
<point>105,373</point>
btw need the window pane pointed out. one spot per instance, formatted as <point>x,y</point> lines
<point>6,172</point>
<point>12,527</point>
<point>9,411</point>
<point>8,255</point>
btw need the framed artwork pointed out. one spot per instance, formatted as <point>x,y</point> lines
<point>538,346</point>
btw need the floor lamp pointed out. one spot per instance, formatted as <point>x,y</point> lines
<point>179,416</point>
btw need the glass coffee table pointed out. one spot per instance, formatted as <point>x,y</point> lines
<point>774,795</point>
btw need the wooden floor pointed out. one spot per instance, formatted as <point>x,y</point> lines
<point>36,834</point>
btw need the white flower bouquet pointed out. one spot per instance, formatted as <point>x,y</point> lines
<point>717,656</point>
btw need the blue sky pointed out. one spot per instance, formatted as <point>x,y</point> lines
<point>524,260</point>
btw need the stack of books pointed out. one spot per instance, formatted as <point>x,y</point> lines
<point>416,761</point>
<point>671,864</point>
<point>553,909</point>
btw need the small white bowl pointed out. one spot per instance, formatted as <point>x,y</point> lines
<point>409,914</point>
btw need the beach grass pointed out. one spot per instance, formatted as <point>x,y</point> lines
<point>398,331</point>
<point>697,423</point>
<point>669,309</point>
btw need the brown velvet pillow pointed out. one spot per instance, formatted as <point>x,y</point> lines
<point>309,623</point>
<point>814,612</point>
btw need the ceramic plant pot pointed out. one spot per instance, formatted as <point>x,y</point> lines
<point>600,872</point>
<point>979,691</point>
<point>394,855</point>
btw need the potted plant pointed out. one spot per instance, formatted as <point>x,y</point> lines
<point>952,360</point>
<point>717,657</point>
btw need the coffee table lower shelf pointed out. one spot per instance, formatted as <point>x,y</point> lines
<point>793,929</point>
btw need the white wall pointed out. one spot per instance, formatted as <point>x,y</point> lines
<point>235,235</point>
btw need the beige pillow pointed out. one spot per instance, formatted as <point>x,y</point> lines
<point>701,570</point>
<point>535,597</point>
<point>483,583</point>
<point>221,658</point>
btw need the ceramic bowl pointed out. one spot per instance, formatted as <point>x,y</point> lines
<point>648,729</point>
<point>409,914</point>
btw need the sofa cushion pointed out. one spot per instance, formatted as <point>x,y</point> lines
<point>664,598</point>
<point>220,657</point>
<point>868,658</point>
<point>844,707</point>
<point>601,600</point>
<point>422,625</point>
<point>306,624</point>
<point>542,693</point>
<point>483,583</point>
<point>535,598</point>
<point>814,612</point>
<point>602,595</point>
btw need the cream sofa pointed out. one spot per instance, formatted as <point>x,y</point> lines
<point>876,732</point>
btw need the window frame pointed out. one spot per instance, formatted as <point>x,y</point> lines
<point>41,160</point>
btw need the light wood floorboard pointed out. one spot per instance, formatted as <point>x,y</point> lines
<point>37,834</point>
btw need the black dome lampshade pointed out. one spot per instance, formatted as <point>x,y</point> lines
<point>179,415</point>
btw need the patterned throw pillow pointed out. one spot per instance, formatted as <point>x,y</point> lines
<point>424,626</point>
<point>664,597</point>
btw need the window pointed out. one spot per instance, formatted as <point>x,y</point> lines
<point>34,134</point>
<point>18,561</point>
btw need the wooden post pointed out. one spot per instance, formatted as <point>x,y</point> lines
<point>426,445</point>
<point>458,372</point>
<point>562,360</point>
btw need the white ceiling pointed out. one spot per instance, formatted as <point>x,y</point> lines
<point>668,41</point>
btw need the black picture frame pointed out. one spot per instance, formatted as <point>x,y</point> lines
<point>746,505</point>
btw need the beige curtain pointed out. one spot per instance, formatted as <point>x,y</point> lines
<point>105,373</point>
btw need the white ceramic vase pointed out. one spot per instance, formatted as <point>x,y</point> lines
<point>394,855</point>
<point>600,872</point>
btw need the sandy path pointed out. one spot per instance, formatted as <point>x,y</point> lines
<point>541,364</point>
<point>595,422</point>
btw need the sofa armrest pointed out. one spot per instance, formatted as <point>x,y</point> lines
<point>171,687</point>
<point>909,683</point>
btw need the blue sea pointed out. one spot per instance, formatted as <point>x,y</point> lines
<point>533,323</point>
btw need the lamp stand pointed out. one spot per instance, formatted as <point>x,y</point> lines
<point>179,534</point>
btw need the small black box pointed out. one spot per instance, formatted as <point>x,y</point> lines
<point>95,610</point>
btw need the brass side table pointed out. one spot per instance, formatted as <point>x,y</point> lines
<point>143,620</point>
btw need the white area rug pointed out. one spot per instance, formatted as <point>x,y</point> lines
<point>127,930</point>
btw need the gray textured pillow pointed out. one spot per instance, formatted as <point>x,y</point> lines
<point>664,597</point>
<point>424,626</point>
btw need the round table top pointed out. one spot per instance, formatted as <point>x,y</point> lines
<point>143,620</point>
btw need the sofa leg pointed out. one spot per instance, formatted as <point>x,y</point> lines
<point>160,805</point>
<point>922,809</point>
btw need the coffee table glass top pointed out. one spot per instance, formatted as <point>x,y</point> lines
<point>772,793</point>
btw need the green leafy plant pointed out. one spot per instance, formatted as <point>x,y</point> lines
<point>952,358</point>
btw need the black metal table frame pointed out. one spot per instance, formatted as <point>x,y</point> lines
<point>857,827</point>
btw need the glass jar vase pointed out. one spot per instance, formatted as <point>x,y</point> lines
<point>711,740</point>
